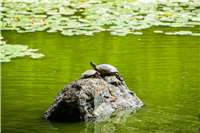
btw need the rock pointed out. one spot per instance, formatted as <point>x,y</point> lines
<point>90,98</point>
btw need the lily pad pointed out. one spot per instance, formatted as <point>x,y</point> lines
<point>113,33</point>
<point>51,31</point>
<point>30,16</point>
<point>137,33</point>
<point>195,34</point>
<point>9,51</point>
<point>35,55</point>
<point>183,32</point>
<point>196,19</point>
<point>2,42</point>
<point>5,60</point>
<point>158,31</point>
<point>169,33</point>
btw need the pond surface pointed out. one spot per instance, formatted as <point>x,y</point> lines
<point>162,70</point>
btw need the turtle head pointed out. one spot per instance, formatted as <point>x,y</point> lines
<point>93,65</point>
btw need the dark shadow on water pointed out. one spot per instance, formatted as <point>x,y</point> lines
<point>107,123</point>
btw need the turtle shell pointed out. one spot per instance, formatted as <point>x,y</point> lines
<point>89,73</point>
<point>106,69</point>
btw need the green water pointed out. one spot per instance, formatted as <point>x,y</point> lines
<point>162,70</point>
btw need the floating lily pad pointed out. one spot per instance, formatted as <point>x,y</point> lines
<point>195,34</point>
<point>183,32</point>
<point>32,50</point>
<point>169,33</point>
<point>158,31</point>
<point>176,25</point>
<point>3,42</point>
<point>9,51</point>
<point>196,19</point>
<point>36,55</point>
<point>113,33</point>
<point>21,31</point>
<point>25,16</point>
<point>137,33</point>
<point>5,60</point>
<point>164,24</point>
<point>51,31</point>
<point>165,19</point>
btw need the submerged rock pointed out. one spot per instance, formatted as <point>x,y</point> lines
<point>89,98</point>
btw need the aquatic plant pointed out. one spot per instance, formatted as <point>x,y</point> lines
<point>86,17</point>
<point>9,51</point>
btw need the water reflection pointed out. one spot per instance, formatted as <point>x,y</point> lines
<point>105,124</point>
<point>109,123</point>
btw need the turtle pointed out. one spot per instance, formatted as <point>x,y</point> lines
<point>106,69</point>
<point>90,73</point>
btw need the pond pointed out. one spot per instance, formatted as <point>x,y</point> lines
<point>162,70</point>
<point>154,45</point>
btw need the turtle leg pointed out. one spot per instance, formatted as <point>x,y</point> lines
<point>119,77</point>
<point>98,76</point>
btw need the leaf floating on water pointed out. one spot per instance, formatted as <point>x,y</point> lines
<point>113,33</point>
<point>122,34</point>
<point>28,28</point>
<point>51,31</point>
<point>137,33</point>
<point>184,4</point>
<point>195,34</point>
<point>166,19</point>
<point>52,13</point>
<point>5,60</point>
<point>176,25</point>
<point>158,31</point>
<point>88,15</point>
<point>2,55</point>
<point>1,37</point>
<point>196,19</point>
<point>9,51</point>
<point>183,32</point>
<point>21,31</point>
<point>2,42</point>
<point>32,50</point>
<point>169,33</point>
<point>189,26</point>
<point>35,55</point>
<point>164,24</point>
